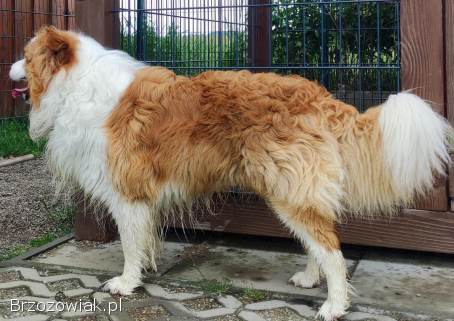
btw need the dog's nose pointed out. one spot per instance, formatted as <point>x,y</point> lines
<point>17,71</point>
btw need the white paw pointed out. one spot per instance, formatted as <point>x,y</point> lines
<point>331,311</point>
<point>120,285</point>
<point>305,280</point>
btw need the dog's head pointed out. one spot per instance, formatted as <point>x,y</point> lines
<point>50,51</point>
<point>49,54</point>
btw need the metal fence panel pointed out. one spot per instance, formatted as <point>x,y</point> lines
<point>350,46</point>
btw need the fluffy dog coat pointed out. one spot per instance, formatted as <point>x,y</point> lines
<point>142,140</point>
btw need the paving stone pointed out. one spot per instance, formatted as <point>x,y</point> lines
<point>7,294</point>
<point>203,314</point>
<point>229,317</point>
<point>301,309</point>
<point>32,274</point>
<point>213,313</point>
<point>102,296</point>
<point>36,288</point>
<point>414,287</point>
<point>147,313</point>
<point>201,304</point>
<point>266,305</point>
<point>357,316</point>
<point>281,314</point>
<point>399,286</point>
<point>138,294</point>
<point>159,292</point>
<point>247,268</point>
<point>63,285</point>
<point>250,316</point>
<point>77,292</point>
<point>31,299</point>
<point>229,301</point>
<point>34,317</point>
<point>105,257</point>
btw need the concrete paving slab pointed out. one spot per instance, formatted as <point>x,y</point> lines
<point>104,256</point>
<point>259,269</point>
<point>411,285</point>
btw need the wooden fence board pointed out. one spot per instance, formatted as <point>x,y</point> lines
<point>71,12</point>
<point>6,55</point>
<point>41,9</point>
<point>23,25</point>
<point>412,229</point>
<point>58,14</point>
<point>422,68</point>
<point>449,65</point>
<point>19,19</point>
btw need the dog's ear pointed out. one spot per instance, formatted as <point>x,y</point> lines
<point>61,45</point>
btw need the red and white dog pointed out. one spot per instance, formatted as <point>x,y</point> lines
<point>143,141</point>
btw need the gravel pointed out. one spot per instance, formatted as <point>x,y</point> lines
<point>26,198</point>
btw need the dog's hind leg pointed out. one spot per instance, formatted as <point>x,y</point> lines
<point>138,230</point>
<point>311,276</point>
<point>318,233</point>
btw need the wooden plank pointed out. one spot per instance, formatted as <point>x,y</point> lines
<point>91,227</point>
<point>422,68</point>
<point>420,230</point>
<point>58,14</point>
<point>95,18</point>
<point>71,12</point>
<point>6,56</point>
<point>449,72</point>
<point>23,27</point>
<point>41,10</point>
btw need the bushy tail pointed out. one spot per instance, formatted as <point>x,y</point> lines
<point>415,144</point>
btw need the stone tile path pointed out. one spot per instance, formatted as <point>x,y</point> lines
<point>250,284</point>
<point>157,302</point>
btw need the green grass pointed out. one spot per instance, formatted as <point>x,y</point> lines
<point>63,218</point>
<point>215,287</point>
<point>21,249</point>
<point>254,294</point>
<point>14,139</point>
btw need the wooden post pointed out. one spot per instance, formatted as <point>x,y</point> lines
<point>41,7</point>
<point>259,29</point>
<point>6,56</point>
<point>96,19</point>
<point>23,32</point>
<point>449,65</point>
<point>423,69</point>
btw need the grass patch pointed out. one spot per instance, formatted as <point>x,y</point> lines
<point>15,141</point>
<point>63,218</point>
<point>254,294</point>
<point>215,287</point>
<point>21,249</point>
<point>15,251</point>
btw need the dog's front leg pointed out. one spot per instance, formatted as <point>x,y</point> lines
<point>136,227</point>
<point>311,276</point>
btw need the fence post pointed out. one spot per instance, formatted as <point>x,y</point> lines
<point>259,30</point>
<point>422,69</point>
<point>6,57</point>
<point>449,63</point>
<point>96,19</point>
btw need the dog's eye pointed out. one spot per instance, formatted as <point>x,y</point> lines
<point>28,60</point>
